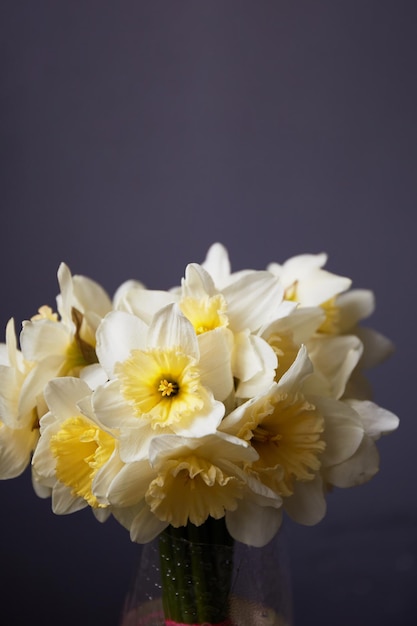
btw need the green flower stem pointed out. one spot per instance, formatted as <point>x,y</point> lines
<point>196,567</point>
<point>170,600</point>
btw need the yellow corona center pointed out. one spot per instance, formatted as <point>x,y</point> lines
<point>162,385</point>
<point>192,489</point>
<point>286,434</point>
<point>205,313</point>
<point>291,292</point>
<point>331,325</point>
<point>80,448</point>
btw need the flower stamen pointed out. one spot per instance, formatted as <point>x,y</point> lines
<point>262,435</point>
<point>168,388</point>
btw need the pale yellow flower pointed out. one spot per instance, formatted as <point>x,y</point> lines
<point>74,450</point>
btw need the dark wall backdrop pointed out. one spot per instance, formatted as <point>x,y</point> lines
<point>134,135</point>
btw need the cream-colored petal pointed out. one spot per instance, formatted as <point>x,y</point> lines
<point>129,486</point>
<point>376,420</point>
<point>15,450</point>
<point>252,524</point>
<point>203,422</point>
<point>90,295</point>
<point>360,468</point>
<point>302,323</point>
<point>217,264</point>
<point>117,335</point>
<point>62,395</point>
<point>43,338</point>
<point>33,386</point>
<point>254,364</point>
<point>63,502</point>
<point>215,362</point>
<point>376,347</point>
<point>171,329</point>
<point>343,430</point>
<point>144,303</point>
<point>145,525</point>
<point>320,287</point>
<point>307,505</point>
<point>123,292</point>
<point>354,305</point>
<point>253,300</point>
<point>197,282</point>
<point>111,408</point>
<point>135,440</point>
<point>334,359</point>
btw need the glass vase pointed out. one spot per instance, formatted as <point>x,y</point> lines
<point>180,581</point>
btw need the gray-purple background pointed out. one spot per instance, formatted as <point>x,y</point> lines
<point>134,135</point>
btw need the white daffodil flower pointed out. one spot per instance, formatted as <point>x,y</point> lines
<point>305,282</point>
<point>244,306</point>
<point>74,451</point>
<point>297,437</point>
<point>284,428</point>
<point>21,404</point>
<point>161,379</point>
<point>250,301</point>
<point>82,304</point>
<point>363,464</point>
<point>190,479</point>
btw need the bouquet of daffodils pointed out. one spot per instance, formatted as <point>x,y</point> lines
<point>220,403</point>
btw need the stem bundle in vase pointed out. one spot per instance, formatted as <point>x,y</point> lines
<point>196,573</point>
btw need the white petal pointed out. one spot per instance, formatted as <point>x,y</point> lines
<point>94,375</point>
<point>307,505</point>
<point>119,334</point>
<point>197,282</point>
<point>217,264</point>
<point>355,305</point>
<point>123,290</point>
<point>135,440</point>
<point>343,430</point>
<point>376,420</point>
<point>254,363</point>
<point>320,287</point>
<point>9,396</point>
<point>298,267</point>
<point>105,476</point>
<point>376,347</point>
<point>111,408</point>
<point>252,524</point>
<point>253,300</point>
<point>130,484</point>
<point>145,526</point>
<point>360,468</point>
<point>34,384</point>
<point>298,372</point>
<point>205,422</point>
<point>171,329</point>
<point>15,450</point>
<point>144,303</point>
<point>62,395</point>
<point>66,297</point>
<point>44,338</point>
<point>63,502</point>
<point>301,323</point>
<point>91,296</point>
<point>14,357</point>
<point>334,358</point>
<point>215,362</point>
